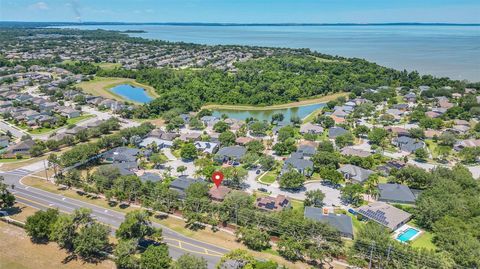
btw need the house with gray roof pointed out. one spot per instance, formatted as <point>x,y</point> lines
<point>182,183</point>
<point>309,128</point>
<point>385,214</point>
<point>396,193</point>
<point>297,162</point>
<point>153,177</point>
<point>408,144</point>
<point>349,151</point>
<point>206,147</point>
<point>209,120</point>
<point>340,222</point>
<point>120,155</point>
<point>233,153</point>
<point>336,131</point>
<point>307,150</point>
<point>355,173</point>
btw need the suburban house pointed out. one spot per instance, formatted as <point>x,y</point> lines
<point>340,222</point>
<point>467,143</point>
<point>125,168</point>
<point>350,151</point>
<point>389,166</point>
<point>297,162</point>
<point>385,214</point>
<point>395,193</point>
<point>407,144</point>
<point>160,143</point>
<point>243,140</point>
<point>75,130</point>
<point>233,153</point>
<point>309,128</point>
<point>336,131</point>
<point>153,177</point>
<point>218,194</point>
<point>4,141</point>
<point>191,136</point>
<point>206,147</point>
<point>182,183</point>
<point>22,148</point>
<point>69,112</point>
<point>307,150</point>
<point>269,203</point>
<point>209,120</point>
<point>120,155</point>
<point>355,173</point>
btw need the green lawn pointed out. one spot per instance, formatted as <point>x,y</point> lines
<point>297,205</point>
<point>108,66</point>
<point>269,177</point>
<point>424,240</point>
<point>357,225</point>
<point>43,130</point>
<point>79,119</point>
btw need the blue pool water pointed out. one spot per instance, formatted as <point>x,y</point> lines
<point>300,111</point>
<point>132,93</point>
<point>407,235</point>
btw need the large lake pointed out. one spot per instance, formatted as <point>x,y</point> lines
<point>131,93</point>
<point>301,112</point>
<point>452,51</point>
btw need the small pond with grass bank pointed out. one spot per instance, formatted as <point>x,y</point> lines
<point>132,93</point>
<point>300,111</point>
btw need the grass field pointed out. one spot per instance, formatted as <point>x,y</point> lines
<point>269,177</point>
<point>309,101</point>
<point>100,86</point>
<point>108,66</point>
<point>18,252</point>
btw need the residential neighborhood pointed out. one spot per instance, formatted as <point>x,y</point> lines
<point>390,160</point>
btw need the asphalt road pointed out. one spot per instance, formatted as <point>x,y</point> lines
<point>17,132</point>
<point>178,243</point>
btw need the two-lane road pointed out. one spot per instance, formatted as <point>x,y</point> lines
<point>178,243</point>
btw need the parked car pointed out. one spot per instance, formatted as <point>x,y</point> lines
<point>258,171</point>
<point>262,190</point>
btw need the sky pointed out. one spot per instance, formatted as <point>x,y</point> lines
<point>242,11</point>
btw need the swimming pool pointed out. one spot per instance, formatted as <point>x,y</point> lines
<point>407,235</point>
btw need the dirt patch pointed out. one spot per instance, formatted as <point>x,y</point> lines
<point>18,252</point>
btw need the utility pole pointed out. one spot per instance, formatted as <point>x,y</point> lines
<point>46,172</point>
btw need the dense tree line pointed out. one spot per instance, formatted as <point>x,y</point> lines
<point>271,80</point>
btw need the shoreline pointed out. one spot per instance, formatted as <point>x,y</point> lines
<point>305,102</point>
<point>101,86</point>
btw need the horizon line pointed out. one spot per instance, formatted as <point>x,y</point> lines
<point>243,24</point>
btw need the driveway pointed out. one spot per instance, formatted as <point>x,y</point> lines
<point>332,196</point>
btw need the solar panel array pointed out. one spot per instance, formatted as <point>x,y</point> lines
<point>377,215</point>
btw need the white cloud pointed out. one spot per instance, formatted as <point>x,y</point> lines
<point>39,6</point>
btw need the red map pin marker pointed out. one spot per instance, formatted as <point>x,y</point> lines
<point>217,178</point>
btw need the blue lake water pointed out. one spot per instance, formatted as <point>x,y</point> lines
<point>451,51</point>
<point>134,94</point>
<point>301,112</point>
